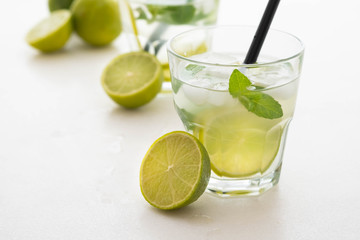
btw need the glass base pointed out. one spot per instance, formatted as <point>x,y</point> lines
<point>243,187</point>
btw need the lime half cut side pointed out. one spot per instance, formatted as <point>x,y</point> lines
<point>133,79</point>
<point>175,171</point>
<point>241,145</point>
<point>52,33</point>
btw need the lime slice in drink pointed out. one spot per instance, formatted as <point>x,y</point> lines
<point>241,144</point>
<point>52,33</point>
<point>189,49</point>
<point>133,79</point>
<point>175,171</point>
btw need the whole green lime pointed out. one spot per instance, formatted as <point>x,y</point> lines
<point>97,22</point>
<point>59,4</point>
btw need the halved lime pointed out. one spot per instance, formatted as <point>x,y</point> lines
<point>133,79</point>
<point>241,144</point>
<point>52,33</point>
<point>175,171</point>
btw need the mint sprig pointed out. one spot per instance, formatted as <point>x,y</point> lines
<point>263,105</point>
<point>194,69</point>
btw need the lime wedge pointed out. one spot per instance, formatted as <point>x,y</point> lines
<point>192,48</point>
<point>133,79</point>
<point>175,171</point>
<point>52,33</point>
<point>240,144</point>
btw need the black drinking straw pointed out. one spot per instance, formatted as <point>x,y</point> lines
<point>261,32</point>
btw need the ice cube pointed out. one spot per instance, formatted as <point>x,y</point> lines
<point>217,77</point>
<point>219,98</point>
<point>270,76</point>
<point>195,93</point>
<point>215,58</point>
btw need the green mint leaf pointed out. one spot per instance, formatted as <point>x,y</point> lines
<point>141,13</point>
<point>259,103</point>
<point>194,69</point>
<point>186,117</point>
<point>182,14</point>
<point>176,85</point>
<point>238,83</point>
<point>263,105</point>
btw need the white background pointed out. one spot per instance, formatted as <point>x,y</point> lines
<point>70,157</point>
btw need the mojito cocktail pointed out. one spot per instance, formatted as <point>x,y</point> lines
<point>158,20</point>
<point>240,113</point>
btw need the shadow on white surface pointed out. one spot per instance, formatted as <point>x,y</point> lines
<point>213,218</point>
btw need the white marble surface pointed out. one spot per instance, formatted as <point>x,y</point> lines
<point>70,158</point>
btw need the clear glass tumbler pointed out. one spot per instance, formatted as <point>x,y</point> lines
<point>158,20</point>
<point>244,126</point>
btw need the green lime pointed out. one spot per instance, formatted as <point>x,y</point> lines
<point>240,144</point>
<point>175,171</point>
<point>133,79</point>
<point>97,22</point>
<point>59,4</point>
<point>51,33</point>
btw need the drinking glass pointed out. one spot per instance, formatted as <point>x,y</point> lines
<point>244,132</point>
<point>158,20</point>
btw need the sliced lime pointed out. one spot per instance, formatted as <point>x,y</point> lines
<point>175,171</point>
<point>190,48</point>
<point>133,79</point>
<point>52,33</point>
<point>240,144</point>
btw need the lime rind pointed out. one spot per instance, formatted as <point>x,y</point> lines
<point>170,177</point>
<point>52,33</point>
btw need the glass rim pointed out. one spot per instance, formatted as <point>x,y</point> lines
<point>253,65</point>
